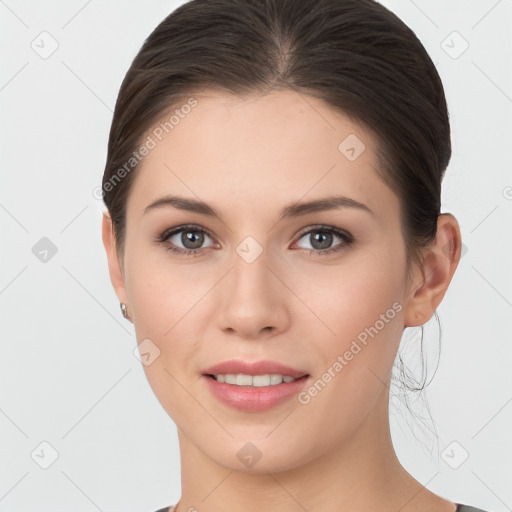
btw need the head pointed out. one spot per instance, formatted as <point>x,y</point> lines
<point>254,108</point>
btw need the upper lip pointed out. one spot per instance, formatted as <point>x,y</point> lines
<point>255,368</point>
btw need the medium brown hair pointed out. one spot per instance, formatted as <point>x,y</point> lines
<point>356,55</point>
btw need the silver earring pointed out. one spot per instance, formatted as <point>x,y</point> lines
<point>123,310</point>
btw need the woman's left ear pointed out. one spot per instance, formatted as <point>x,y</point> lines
<point>440,261</point>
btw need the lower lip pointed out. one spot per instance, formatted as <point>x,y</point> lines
<point>253,398</point>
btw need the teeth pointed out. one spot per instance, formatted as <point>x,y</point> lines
<point>253,380</point>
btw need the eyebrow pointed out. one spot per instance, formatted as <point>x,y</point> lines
<point>292,210</point>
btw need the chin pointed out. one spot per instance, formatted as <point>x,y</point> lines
<point>255,451</point>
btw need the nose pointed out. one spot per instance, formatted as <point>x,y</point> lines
<point>254,298</point>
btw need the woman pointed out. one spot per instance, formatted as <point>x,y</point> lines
<point>273,185</point>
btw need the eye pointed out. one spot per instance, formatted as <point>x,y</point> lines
<point>190,237</point>
<point>321,238</point>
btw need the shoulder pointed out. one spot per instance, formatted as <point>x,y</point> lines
<point>467,508</point>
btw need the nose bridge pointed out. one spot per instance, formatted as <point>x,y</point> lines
<point>251,267</point>
<point>251,276</point>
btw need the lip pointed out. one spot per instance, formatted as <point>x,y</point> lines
<point>254,399</point>
<point>256,368</point>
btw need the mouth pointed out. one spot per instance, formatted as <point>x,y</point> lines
<point>254,387</point>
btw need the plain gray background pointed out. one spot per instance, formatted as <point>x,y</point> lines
<point>68,375</point>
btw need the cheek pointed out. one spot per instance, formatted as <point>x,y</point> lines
<point>363,309</point>
<point>359,304</point>
<point>352,297</point>
<point>168,302</point>
<point>162,292</point>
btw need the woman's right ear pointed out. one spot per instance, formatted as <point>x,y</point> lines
<point>114,261</point>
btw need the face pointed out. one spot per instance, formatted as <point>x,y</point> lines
<point>319,290</point>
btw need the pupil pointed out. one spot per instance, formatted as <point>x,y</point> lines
<point>189,236</point>
<point>324,238</point>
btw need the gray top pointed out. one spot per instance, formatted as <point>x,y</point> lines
<point>460,508</point>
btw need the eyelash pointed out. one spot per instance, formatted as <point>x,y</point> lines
<point>346,237</point>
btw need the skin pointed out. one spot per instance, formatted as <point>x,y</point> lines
<point>248,159</point>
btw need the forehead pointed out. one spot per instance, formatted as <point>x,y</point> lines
<point>255,150</point>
